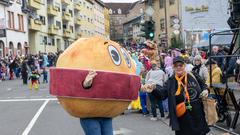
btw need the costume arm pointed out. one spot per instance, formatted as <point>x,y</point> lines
<point>87,83</point>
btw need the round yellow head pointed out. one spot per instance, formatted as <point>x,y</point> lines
<point>97,54</point>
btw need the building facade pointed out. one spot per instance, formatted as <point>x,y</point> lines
<point>87,18</point>
<point>13,28</point>
<point>107,23</point>
<point>99,20</point>
<point>55,24</point>
<point>165,12</point>
<point>33,26</point>
<point>118,13</point>
<point>188,20</point>
<point>132,25</point>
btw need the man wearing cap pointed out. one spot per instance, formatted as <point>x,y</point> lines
<point>184,91</point>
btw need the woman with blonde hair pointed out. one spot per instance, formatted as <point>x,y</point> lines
<point>200,68</point>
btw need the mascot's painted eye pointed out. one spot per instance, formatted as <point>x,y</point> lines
<point>126,57</point>
<point>114,55</point>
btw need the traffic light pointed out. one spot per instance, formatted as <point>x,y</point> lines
<point>150,30</point>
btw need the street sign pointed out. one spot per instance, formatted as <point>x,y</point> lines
<point>176,26</point>
<point>176,20</point>
<point>150,11</point>
<point>176,32</point>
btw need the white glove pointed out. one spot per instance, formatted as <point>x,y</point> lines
<point>204,93</point>
<point>89,78</point>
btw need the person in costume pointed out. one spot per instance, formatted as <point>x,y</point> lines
<point>136,105</point>
<point>151,51</point>
<point>185,105</point>
<point>95,126</point>
<point>93,89</point>
<point>34,77</point>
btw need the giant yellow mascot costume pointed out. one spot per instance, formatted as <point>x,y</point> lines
<point>112,90</point>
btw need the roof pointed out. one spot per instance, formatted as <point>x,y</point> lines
<point>100,3</point>
<point>125,7</point>
<point>133,5</point>
<point>91,1</point>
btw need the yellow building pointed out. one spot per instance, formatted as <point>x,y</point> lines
<point>54,25</point>
<point>38,28</point>
<point>87,16</point>
<point>107,23</point>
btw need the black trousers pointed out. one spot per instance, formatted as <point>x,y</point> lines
<point>25,78</point>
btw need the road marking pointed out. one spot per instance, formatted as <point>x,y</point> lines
<point>122,131</point>
<point>36,97</point>
<point>32,122</point>
<point>43,89</point>
<point>19,97</point>
<point>30,99</point>
<point>9,89</point>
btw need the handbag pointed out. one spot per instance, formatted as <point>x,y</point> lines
<point>180,109</point>
<point>210,110</point>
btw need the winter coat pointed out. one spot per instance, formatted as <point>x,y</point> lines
<point>156,77</point>
<point>216,76</point>
<point>203,71</point>
<point>169,90</point>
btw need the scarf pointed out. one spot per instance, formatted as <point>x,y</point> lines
<point>196,68</point>
<point>180,82</point>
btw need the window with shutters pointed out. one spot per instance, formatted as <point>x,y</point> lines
<point>20,23</point>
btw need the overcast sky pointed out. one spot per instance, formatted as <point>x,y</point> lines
<point>122,1</point>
